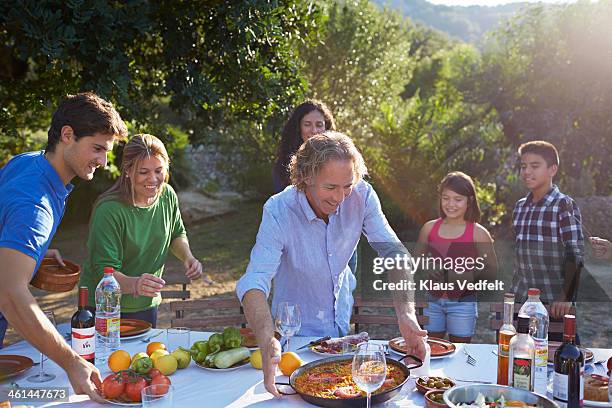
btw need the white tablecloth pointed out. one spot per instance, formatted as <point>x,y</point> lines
<point>195,387</point>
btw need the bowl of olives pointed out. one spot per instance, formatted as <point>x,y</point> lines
<point>435,399</point>
<point>426,383</point>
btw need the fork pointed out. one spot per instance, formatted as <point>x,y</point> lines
<point>148,339</point>
<point>470,360</point>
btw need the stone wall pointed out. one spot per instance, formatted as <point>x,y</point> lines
<point>207,163</point>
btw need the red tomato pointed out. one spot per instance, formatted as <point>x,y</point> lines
<point>111,387</point>
<point>154,372</point>
<point>133,389</point>
<point>163,383</point>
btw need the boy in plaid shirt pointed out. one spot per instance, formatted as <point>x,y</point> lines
<point>549,240</point>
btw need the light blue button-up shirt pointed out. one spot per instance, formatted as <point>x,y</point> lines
<point>308,259</point>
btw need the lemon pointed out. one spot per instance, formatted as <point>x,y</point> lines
<point>182,357</point>
<point>166,364</point>
<point>289,362</point>
<point>256,359</point>
<point>158,353</point>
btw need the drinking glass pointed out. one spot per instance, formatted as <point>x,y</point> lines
<point>42,376</point>
<point>157,396</point>
<point>288,320</point>
<point>369,368</point>
<point>178,337</point>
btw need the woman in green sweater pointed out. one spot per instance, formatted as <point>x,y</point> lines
<point>133,225</point>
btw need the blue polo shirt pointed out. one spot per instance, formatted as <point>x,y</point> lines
<point>32,203</point>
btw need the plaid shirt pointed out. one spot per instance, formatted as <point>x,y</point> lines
<point>547,234</point>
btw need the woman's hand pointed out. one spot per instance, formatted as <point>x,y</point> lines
<point>602,248</point>
<point>148,285</point>
<point>54,253</point>
<point>193,268</point>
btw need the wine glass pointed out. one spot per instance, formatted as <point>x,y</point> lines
<point>369,368</point>
<point>288,320</point>
<point>42,376</point>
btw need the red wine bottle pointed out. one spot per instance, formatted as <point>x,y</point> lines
<point>83,325</point>
<point>568,386</point>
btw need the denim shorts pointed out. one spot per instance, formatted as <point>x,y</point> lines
<point>457,317</point>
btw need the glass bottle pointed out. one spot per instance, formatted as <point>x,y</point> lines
<point>521,363</point>
<point>506,332</point>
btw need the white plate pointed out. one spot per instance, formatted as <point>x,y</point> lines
<point>232,368</point>
<point>589,403</point>
<point>431,358</point>
<point>124,404</point>
<point>312,348</point>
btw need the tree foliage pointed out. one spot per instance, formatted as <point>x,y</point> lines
<point>547,74</point>
<point>207,61</point>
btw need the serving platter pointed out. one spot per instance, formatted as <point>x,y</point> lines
<point>440,348</point>
<point>236,366</point>
<point>129,328</point>
<point>12,365</point>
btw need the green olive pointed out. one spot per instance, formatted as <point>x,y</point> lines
<point>439,384</point>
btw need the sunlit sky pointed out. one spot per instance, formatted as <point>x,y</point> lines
<point>492,2</point>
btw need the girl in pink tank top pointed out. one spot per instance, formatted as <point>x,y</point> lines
<point>454,239</point>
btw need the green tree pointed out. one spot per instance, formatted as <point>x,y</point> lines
<point>547,74</point>
<point>362,60</point>
<point>439,130</point>
<point>208,61</point>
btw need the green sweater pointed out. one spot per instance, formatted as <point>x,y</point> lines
<point>132,240</point>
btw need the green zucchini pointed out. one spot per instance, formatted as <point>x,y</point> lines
<point>226,359</point>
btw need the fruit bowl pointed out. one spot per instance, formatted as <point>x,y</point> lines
<point>53,277</point>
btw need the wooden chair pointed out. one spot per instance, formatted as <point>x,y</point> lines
<point>178,290</point>
<point>380,311</point>
<point>497,319</point>
<point>209,313</point>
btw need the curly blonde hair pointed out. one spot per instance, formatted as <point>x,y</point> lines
<point>320,149</point>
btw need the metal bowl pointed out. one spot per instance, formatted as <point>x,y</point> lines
<point>468,393</point>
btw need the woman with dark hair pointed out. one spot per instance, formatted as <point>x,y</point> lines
<point>133,226</point>
<point>455,237</point>
<point>307,119</point>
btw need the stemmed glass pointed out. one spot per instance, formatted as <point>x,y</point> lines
<point>42,376</point>
<point>288,320</point>
<point>369,368</point>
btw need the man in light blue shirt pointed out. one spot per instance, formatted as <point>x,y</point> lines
<point>307,235</point>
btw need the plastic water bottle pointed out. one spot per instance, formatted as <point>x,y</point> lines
<point>538,328</point>
<point>108,315</point>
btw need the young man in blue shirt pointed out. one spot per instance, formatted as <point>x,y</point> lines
<point>35,187</point>
<point>307,236</point>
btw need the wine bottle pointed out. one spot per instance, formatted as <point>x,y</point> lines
<point>83,325</point>
<point>568,386</point>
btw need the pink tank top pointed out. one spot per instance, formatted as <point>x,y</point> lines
<point>462,246</point>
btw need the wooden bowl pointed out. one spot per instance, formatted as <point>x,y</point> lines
<point>421,384</point>
<point>431,403</point>
<point>53,277</point>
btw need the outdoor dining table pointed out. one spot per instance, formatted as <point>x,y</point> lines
<point>243,387</point>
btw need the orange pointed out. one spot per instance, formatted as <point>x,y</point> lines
<point>119,360</point>
<point>154,346</point>
<point>289,362</point>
